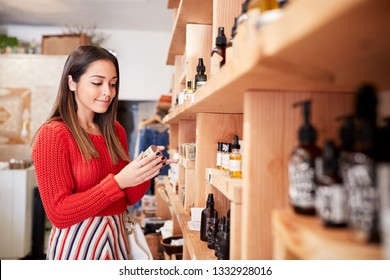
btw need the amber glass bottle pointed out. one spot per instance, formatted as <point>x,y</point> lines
<point>301,166</point>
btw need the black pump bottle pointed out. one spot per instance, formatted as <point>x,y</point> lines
<point>301,169</point>
<point>208,212</point>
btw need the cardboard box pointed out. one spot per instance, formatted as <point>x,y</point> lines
<point>63,44</point>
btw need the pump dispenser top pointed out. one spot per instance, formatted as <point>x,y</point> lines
<point>221,38</point>
<point>307,133</point>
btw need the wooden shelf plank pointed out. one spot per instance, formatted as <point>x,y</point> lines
<point>197,248</point>
<point>187,163</point>
<point>189,11</point>
<point>230,187</point>
<point>305,237</point>
<point>332,51</point>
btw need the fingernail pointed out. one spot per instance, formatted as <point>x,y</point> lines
<point>162,158</point>
<point>159,170</point>
<point>157,154</point>
<point>163,163</point>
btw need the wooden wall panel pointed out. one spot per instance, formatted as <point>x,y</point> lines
<point>210,129</point>
<point>270,134</point>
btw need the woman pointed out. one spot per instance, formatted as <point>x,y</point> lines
<point>82,165</point>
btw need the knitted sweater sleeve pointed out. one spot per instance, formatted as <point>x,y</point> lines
<point>133,194</point>
<point>53,165</point>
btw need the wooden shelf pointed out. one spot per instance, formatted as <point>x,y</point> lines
<point>229,187</point>
<point>303,237</point>
<point>189,11</point>
<point>197,248</point>
<point>186,163</point>
<point>332,51</point>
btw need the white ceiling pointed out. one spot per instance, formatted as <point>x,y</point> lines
<point>151,15</point>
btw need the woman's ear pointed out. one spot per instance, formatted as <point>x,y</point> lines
<point>71,84</point>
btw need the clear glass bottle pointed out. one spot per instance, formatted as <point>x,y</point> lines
<point>188,92</point>
<point>235,160</point>
<point>219,155</point>
<point>227,149</point>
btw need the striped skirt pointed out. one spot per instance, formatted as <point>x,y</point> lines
<point>96,238</point>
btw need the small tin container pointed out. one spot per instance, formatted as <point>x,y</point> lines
<point>151,150</point>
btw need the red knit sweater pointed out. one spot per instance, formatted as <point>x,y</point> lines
<point>72,189</point>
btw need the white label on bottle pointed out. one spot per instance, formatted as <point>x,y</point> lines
<point>331,203</point>
<point>362,197</point>
<point>219,159</point>
<point>225,161</point>
<point>302,187</point>
<point>234,165</point>
<point>215,64</point>
<point>199,84</point>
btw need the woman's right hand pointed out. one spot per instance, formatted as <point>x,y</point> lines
<point>140,170</point>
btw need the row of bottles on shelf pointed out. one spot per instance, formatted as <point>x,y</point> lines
<point>346,185</point>
<point>229,157</point>
<point>214,231</point>
<point>268,11</point>
<point>265,11</point>
<point>199,80</point>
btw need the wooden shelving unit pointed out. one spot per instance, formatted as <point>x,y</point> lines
<point>324,57</point>
<point>189,11</point>
<point>193,247</point>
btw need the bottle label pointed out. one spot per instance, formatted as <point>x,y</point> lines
<point>215,62</point>
<point>234,165</point>
<point>225,161</point>
<point>331,203</point>
<point>219,159</point>
<point>301,177</point>
<point>199,84</point>
<point>362,195</point>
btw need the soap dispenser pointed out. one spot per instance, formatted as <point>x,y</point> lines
<point>301,166</point>
<point>363,200</point>
<point>207,212</point>
<point>331,194</point>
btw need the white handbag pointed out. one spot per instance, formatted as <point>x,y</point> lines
<point>138,246</point>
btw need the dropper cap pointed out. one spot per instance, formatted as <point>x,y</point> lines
<point>307,133</point>
<point>200,67</point>
<point>236,144</point>
<point>221,38</point>
<point>210,200</point>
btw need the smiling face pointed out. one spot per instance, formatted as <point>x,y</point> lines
<point>96,88</point>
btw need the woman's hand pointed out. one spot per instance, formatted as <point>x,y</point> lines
<point>142,169</point>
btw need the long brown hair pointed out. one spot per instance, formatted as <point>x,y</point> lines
<point>65,106</point>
